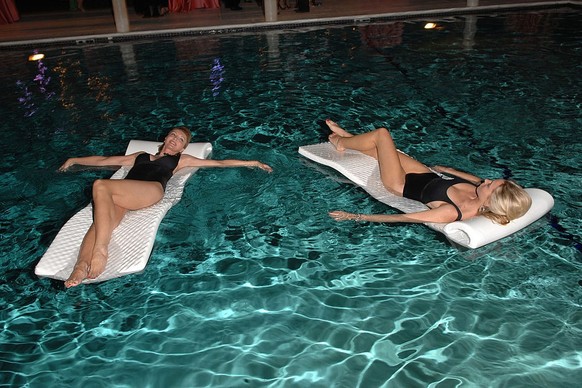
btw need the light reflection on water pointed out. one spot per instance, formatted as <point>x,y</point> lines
<point>250,283</point>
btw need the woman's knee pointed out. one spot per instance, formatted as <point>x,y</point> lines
<point>99,187</point>
<point>383,138</point>
<point>383,133</point>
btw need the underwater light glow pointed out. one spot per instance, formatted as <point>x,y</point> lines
<point>35,57</point>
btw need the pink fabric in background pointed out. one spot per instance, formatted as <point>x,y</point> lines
<point>189,5</point>
<point>8,12</point>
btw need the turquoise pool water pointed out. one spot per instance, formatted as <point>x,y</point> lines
<point>250,283</point>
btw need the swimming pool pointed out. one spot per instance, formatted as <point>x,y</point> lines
<point>250,283</point>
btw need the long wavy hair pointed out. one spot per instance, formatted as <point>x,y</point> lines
<point>508,202</point>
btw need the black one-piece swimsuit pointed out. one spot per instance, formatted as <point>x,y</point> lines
<point>158,170</point>
<point>428,187</point>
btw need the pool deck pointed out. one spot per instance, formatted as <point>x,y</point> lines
<point>75,26</point>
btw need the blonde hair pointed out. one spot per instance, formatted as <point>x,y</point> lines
<point>507,202</point>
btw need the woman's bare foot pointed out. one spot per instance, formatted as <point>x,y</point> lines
<point>79,274</point>
<point>337,134</point>
<point>98,262</point>
<point>334,139</point>
<point>337,129</point>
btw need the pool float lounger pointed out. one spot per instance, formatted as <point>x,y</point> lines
<point>132,241</point>
<point>474,233</point>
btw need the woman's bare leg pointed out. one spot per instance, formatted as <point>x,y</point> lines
<point>378,144</point>
<point>100,253</point>
<point>112,198</point>
<point>83,263</point>
<point>86,263</point>
<point>89,265</point>
<point>110,203</point>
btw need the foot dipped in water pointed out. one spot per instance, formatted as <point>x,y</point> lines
<point>79,274</point>
<point>337,134</point>
<point>98,262</point>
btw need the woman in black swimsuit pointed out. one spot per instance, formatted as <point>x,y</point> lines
<point>143,186</point>
<point>453,196</point>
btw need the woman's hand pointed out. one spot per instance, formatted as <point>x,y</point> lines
<point>440,169</point>
<point>262,166</point>
<point>70,162</point>
<point>461,174</point>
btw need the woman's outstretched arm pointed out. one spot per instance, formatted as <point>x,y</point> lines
<point>191,161</point>
<point>99,161</point>
<point>445,213</point>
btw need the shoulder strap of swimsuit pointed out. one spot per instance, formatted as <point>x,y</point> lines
<point>459,213</point>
